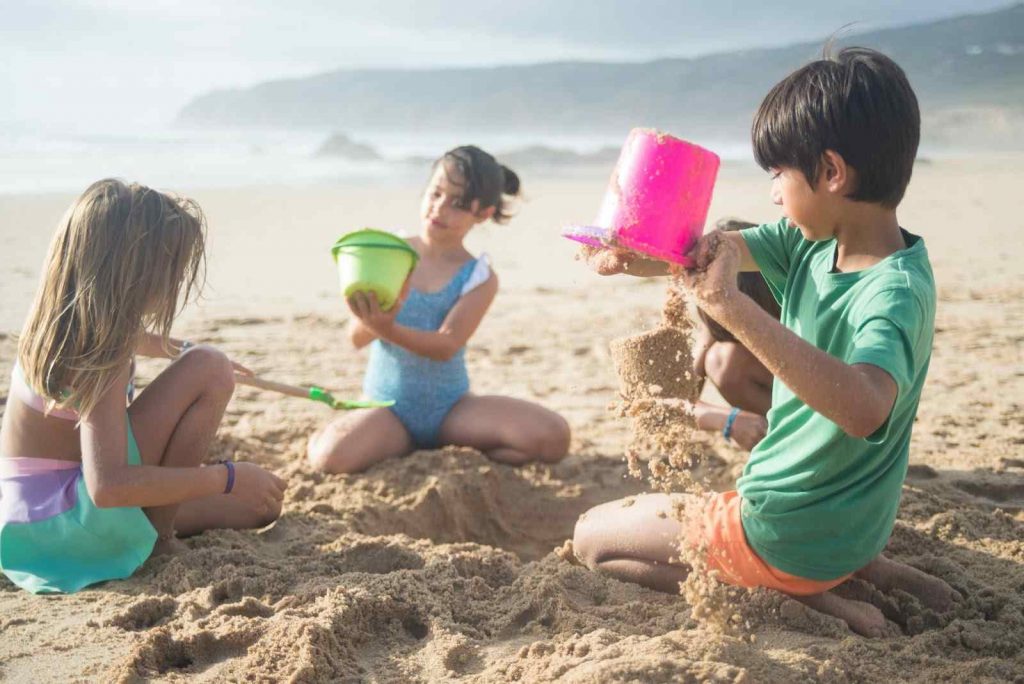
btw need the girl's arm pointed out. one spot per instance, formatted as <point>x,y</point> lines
<point>112,482</point>
<point>747,428</point>
<point>440,345</point>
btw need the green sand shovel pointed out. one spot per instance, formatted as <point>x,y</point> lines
<point>315,393</point>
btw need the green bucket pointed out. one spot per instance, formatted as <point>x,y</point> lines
<point>373,261</point>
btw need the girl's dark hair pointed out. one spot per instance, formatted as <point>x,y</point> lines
<point>857,103</point>
<point>482,178</point>
<point>751,283</point>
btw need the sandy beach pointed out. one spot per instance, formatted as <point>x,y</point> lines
<point>445,566</point>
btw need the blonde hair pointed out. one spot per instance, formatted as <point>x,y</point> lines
<point>120,261</point>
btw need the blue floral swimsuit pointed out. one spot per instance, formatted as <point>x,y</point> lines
<point>424,390</point>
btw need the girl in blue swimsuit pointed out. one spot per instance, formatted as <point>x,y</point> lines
<point>417,356</point>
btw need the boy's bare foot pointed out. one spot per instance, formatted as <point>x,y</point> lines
<point>169,546</point>
<point>863,618</point>
<point>887,574</point>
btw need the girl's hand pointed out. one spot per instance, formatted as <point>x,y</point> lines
<point>712,279</point>
<point>366,308</point>
<point>748,429</point>
<point>260,489</point>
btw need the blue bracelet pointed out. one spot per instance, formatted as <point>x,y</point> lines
<point>231,476</point>
<point>727,430</point>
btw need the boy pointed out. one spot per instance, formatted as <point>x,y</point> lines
<point>817,500</point>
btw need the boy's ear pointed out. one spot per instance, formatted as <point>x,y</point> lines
<point>836,174</point>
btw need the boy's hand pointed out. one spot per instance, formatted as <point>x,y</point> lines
<point>712,279</point>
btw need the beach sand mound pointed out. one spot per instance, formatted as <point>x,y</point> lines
<point>446,567</point>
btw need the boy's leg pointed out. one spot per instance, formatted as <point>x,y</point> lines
<point>357,440</point>
<point>862,618</point>
<point>887,574</point>
<point>634,540</point>
<point>508,430</point>
<point>637,540</point>
<point>740,378</point>
<point>176,416</point>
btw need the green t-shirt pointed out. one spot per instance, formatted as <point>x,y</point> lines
<point>818,503</point>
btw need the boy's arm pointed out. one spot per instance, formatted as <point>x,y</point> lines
<point>858,398</point>
<point>611,261</point>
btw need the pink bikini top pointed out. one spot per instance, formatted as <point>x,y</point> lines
<point>21,389</point>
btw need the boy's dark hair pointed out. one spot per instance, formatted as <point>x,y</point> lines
<point>481,178</point>
<point>857,103</point>
<point>751,283</point>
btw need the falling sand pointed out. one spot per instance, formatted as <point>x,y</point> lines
<point>659,388</point>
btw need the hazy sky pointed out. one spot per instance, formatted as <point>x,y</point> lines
<point>93,63</point>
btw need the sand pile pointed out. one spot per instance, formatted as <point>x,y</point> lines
<point>431,569</point>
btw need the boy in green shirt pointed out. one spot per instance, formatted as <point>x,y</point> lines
<point>817,500</point>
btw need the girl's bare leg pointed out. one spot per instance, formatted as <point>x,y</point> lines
<point>508,430</point>
<point>174,420</point>
<point>357,440</point>
<point>740,378</point>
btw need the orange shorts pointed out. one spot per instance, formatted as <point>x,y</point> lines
<point>719,530</point>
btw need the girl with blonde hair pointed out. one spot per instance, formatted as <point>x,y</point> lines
<point>92,479</point>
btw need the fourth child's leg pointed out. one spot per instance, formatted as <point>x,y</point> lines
<point>739,376</point>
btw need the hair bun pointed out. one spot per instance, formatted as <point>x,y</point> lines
<point>511,181</point>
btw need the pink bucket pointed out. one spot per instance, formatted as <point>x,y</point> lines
<point>658,198</point>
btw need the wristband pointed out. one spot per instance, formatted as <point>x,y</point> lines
<point>727,430</point>
<point>231,476</point>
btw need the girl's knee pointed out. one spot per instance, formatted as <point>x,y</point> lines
<point>214,367</point>
<point>551,436</point>
<point>554,438</point>
<point>325,456</point>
